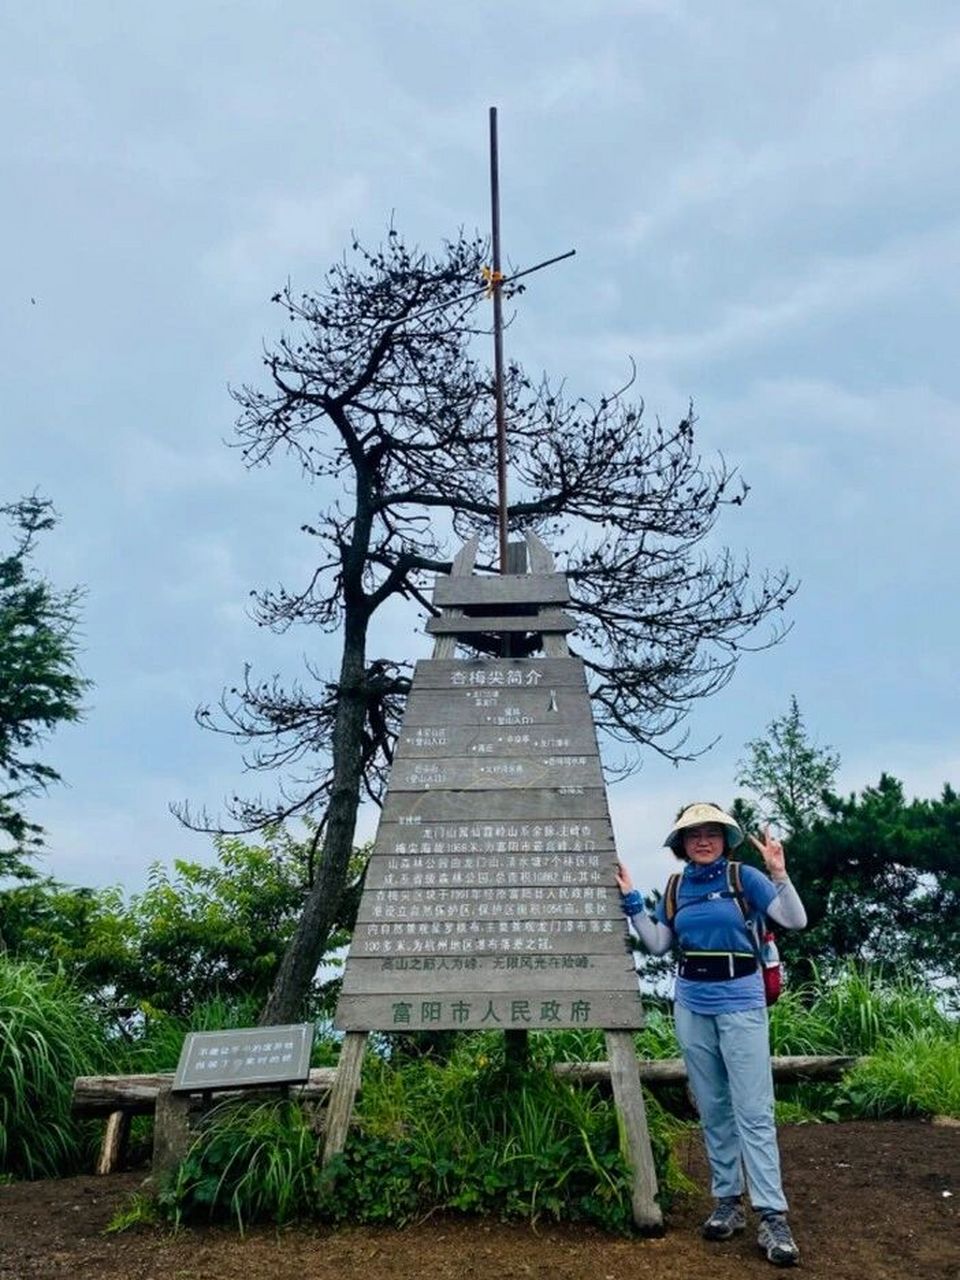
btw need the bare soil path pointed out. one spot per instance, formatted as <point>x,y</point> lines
<point>868,1200</point>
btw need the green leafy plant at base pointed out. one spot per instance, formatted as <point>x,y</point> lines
<point>907,1076</point>
<point>467,1135</point>
<point>796,1111</point>
<point>140,1210</point>
<point>253,1162</point>
<point>49,1034</point>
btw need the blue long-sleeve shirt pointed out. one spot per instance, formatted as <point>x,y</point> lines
<point>707,921</point>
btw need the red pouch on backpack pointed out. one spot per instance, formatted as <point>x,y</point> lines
<point>771,968</point>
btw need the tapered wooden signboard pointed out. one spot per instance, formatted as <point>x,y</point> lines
<point>490,898</point>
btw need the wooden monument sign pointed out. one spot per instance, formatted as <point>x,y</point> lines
<point>490,898</point>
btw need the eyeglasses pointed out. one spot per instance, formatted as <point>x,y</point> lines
<point>695,834</point>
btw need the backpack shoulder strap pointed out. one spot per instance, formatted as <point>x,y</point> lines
<point>670,898</point>
<point>756,927</point>
<point>735,885</point>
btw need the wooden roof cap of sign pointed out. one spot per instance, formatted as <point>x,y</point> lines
<point>521,606</point>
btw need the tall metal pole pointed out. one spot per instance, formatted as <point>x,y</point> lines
<point>495,282</point>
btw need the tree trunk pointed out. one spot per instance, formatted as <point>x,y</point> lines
<point>308,944</point>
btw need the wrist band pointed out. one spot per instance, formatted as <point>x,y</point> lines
<point>631,902</point>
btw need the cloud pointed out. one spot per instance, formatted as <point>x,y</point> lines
<point>829,287</point>
<point>905,417</point>
<point>144,465</point>
<point>854,129</point>
<point>282,230</point>
<point>889,83</point>
<point>114,838</point>
<point>923,769</point>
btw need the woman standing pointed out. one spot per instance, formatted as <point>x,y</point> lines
<point>721,1014</point>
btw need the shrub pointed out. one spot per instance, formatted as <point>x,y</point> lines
<point>911,1075</point>
<point>253,1162</point>
<point>49,1034</point>
<point>467,1135</point>
<point>858,1011</point>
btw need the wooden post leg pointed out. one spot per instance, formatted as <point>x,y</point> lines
<point>113,1147</point>
<point>516,1050</point>
<point>345,1085</point>
<point>628,1098</point>
<point>172,1131</point>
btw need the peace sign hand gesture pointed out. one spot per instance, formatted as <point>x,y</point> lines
<point>771,850</point>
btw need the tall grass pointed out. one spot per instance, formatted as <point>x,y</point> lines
<point>49,1034</point>
<point>467,1135</point>
<point>254,1161</point>
<point>658,1039</point>
<point>910,1075</point>
<point>855,1013</point>
<point>895,1023</point>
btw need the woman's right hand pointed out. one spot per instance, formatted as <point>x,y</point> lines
<point>624,882</point>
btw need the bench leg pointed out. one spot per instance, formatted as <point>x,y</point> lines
<point>114,1145</point>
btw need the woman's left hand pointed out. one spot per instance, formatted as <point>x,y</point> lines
<point>771,850</point>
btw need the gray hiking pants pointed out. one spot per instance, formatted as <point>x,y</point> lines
<point>728,1065</point>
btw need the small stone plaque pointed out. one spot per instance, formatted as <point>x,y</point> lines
<point>251,1056</point>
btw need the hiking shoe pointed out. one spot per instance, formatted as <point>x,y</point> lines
<point>727,1218</point>
<point>776,1241</point>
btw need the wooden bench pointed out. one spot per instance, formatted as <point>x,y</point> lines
<point>118,1098</point>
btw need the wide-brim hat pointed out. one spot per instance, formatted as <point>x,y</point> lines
<point>695,815</point>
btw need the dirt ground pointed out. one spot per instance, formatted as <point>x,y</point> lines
<point>869,1202</point>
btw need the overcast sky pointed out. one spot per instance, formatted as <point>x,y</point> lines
<point>764,202</point>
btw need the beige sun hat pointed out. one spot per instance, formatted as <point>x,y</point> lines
<point>695,815</point>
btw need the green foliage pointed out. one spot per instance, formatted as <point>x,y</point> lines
<point>193,935</point>
<point>49,1034</point>
<point>139,1210</point>
<point>787,773</point>
<point>254,1162</point>
<point>466,1135</point>
<point>41,919</point>
<point>908,1075</point>
<point>860,1013</point>
<point>880,878</point>
<point>40,686</point>
<point>206,930</point>
<point>658,1039</point>
<point>796,1111</point>
<point>856,1012</point>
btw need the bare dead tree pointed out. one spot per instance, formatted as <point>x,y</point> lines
<point>376,392</point>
